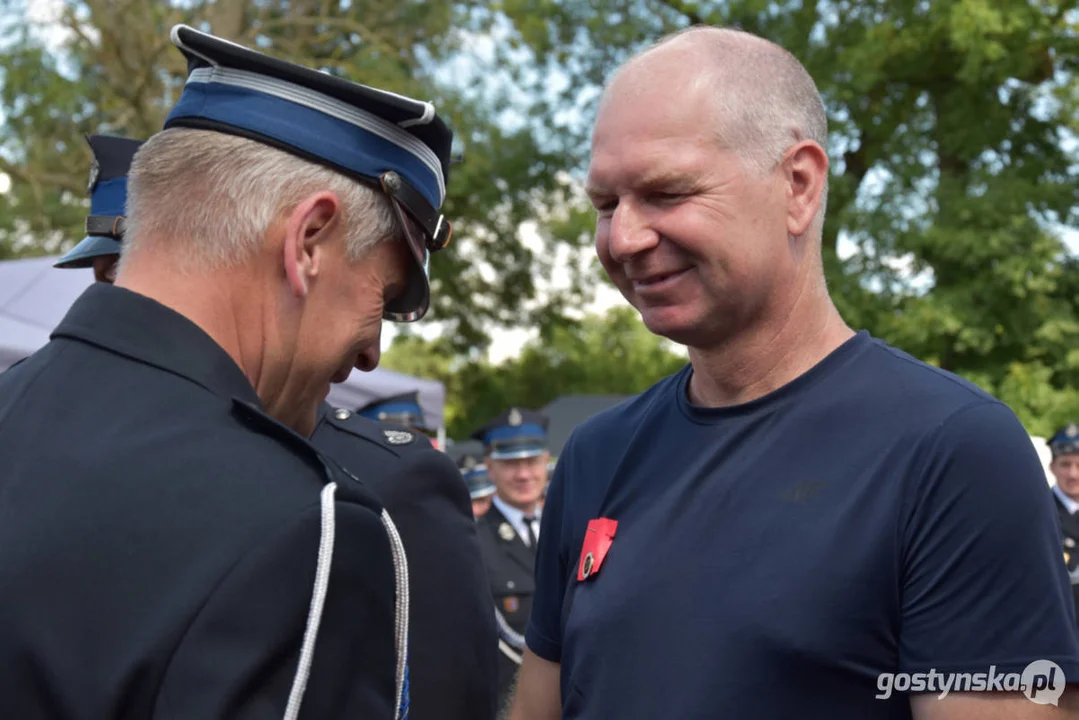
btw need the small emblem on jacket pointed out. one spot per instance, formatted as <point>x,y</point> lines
<point>511,603</point>
<point>506,532</point>
<point>398,437</point>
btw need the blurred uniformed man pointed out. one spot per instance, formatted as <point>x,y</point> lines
<point>515,450</point>
<point>100,249</point>
<point>171,545</point>
<point>1064,447</point>
<point>453,670</point>
<point>478,480</point>
<point>403,409</point>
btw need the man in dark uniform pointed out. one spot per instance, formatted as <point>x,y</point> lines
<point>403,409</point>
<point>452,638</point>
<point>100,249</point>
<point>515,448</point>
<point>168,546</point>
<point>478,480</point>
<point>1064,446</point>
<point>452,665</point>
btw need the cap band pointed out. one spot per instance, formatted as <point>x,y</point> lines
<point>1064,446</point>
<point>343,135</point>
<point>109,196</point>
<point>511,432</point>
<point>112,226</point>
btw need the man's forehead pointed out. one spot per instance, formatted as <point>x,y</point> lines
<point>669,166</point>
<point>657,137</point>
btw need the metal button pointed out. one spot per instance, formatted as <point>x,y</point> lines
<point>510,585</point>
<point>341,414</point>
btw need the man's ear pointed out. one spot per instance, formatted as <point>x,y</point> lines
<point>806,168</point>
<point>308,227</point>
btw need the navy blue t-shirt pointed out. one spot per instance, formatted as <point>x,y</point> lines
<point>771,559</point>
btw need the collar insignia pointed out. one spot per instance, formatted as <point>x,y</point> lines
<point>398,437</point>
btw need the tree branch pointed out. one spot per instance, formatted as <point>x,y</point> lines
<point>686,10</point>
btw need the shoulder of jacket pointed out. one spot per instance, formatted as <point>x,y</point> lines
<point>395,438</point>
<point>292,443</point>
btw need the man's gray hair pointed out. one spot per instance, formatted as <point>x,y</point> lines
<point>212,197</point>
<point>766,98</point>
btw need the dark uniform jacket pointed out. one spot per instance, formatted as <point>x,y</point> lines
<point>452,645</point>
<point>1069,529</point>
<point>510,565</point>
<point>159,537</point>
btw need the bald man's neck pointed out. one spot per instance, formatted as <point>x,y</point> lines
<point>758,360</point>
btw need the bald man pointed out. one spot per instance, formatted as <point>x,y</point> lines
<point>804,522</point>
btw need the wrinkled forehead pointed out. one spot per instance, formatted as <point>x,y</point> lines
<point>634,156</point>
<point>652,116</point>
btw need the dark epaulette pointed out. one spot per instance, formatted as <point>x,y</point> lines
<point>394,438</point>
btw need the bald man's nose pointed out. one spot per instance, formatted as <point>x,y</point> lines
<point>630,233</point>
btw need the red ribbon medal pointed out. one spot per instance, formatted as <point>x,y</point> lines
<point>597,541</point>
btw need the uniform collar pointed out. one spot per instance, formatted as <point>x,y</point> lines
<point>143,329</point>
<point>1070,505</point>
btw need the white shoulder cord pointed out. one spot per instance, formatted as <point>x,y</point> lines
<point>400,566</point>
<point>318,598</point>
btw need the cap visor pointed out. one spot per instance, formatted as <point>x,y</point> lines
<point>416,300</point>
<point>90,247</point>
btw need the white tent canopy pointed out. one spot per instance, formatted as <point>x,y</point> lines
<point>34,298</point>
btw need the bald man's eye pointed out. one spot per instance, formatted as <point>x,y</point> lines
<point>605,206</point>
<point>666,198</point>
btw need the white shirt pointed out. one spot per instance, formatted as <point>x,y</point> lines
<point>1070,505</point>
<point>516,518</point>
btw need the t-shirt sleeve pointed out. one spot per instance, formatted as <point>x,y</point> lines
<point>544,634</point>
<point>983,576</point>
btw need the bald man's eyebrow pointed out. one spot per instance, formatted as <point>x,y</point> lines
<point>671,182</point>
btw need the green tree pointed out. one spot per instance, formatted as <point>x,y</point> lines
<point>953,128</point>
<point>117,72</point>
<point>613,354</point>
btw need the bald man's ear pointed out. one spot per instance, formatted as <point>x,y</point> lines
<point>308,228</point>
<point>806,168</point>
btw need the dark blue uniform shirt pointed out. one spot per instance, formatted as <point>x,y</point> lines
<point>875,515</point>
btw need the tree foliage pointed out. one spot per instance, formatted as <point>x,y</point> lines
<point>117,72</point>
<point>954,163</point>
<point>610,354</point>
<point>953,144</point>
